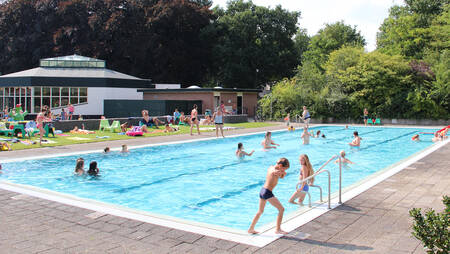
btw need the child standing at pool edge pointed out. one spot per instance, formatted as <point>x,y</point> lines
<point>273,174</point>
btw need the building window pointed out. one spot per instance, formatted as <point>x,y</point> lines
<point>33,98</point>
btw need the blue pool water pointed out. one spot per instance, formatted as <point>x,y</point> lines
<point>204,182</point>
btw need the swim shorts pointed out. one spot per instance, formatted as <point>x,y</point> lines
<point>265,193</point>
<point>305,188</point>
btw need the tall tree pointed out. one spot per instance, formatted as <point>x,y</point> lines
<point>332,37</point>
<point>406,30</point>
<point>254,44</point>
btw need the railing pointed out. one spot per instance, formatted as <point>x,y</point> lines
<point>318,172</point>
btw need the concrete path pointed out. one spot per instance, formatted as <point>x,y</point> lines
<point>376,221</point>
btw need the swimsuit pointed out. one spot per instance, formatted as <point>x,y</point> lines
<point>265,193</point>
<point>218,120</point>
<point>193,119</point>
<point>307,115</point>
<point>306,187</point>
<point>149,123</point>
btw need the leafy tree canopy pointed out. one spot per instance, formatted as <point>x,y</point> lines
<point>253,44</point>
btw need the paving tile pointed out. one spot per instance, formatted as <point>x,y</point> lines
<point>138,235</point>
<point>189,237</point>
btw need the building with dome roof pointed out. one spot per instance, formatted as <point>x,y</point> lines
<point>81,81</point>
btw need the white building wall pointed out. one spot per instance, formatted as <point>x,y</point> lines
<point>96,96</point>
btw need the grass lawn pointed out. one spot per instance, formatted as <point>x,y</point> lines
<point>69,138</point>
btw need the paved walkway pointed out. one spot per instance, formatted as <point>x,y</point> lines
<point>376,221</point>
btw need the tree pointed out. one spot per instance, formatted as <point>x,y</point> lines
<point>332,37</point>
<point>301,42</point>
<point>254,44</point>
<point>406,31</point>
<point>26,33</point>
<point>154,39</point>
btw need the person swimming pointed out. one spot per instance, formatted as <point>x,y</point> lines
<point>240,153</point>
<point>415,138</point>
<point>356,141</point>
<point>79,167</point>
<point>93,170</point>
<point>124,149</point>
<point>343,159</point>
<point>268,143</point>
<point>305,136</point>
<point>106,150</point>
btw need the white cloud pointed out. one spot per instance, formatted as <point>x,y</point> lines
<point>367,15</point>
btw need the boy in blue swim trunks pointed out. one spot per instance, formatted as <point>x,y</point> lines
<point>273,174</point>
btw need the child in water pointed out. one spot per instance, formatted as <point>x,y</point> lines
<point>79,168</point>
<point>93,170</point>
<point>124,149</point>
<point>240,153</point>
<point>343,159</point>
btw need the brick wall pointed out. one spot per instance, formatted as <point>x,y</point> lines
<point>206,98</point>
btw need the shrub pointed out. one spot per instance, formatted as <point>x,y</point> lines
<point>433,228</point>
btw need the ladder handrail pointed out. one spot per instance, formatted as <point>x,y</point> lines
<point>320,171</point>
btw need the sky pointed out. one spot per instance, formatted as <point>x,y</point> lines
<point>366,15</point>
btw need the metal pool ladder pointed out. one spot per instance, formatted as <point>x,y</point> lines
<point>320,171</point>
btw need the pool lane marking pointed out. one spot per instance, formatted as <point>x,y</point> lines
<point>125,189</point>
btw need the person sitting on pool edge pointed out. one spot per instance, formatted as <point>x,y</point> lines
<point>240,153</point>
<point>148,121</point>
<point>268,142</point>
<point>93,170</point>
<point>79,167</point>
<point>343,159</point>
<point>356,141</point>
<point>273,174</point>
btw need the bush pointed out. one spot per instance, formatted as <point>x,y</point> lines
<point>433,229</point>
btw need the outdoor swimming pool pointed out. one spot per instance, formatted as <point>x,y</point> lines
<point>204,182</point>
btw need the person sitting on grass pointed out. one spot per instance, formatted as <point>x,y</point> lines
<point>124,127</point>
<point>79,167</point>
<point>170,129</point>
<point>184,119</point>
<point>93,170</point>
<point>148,121</point>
